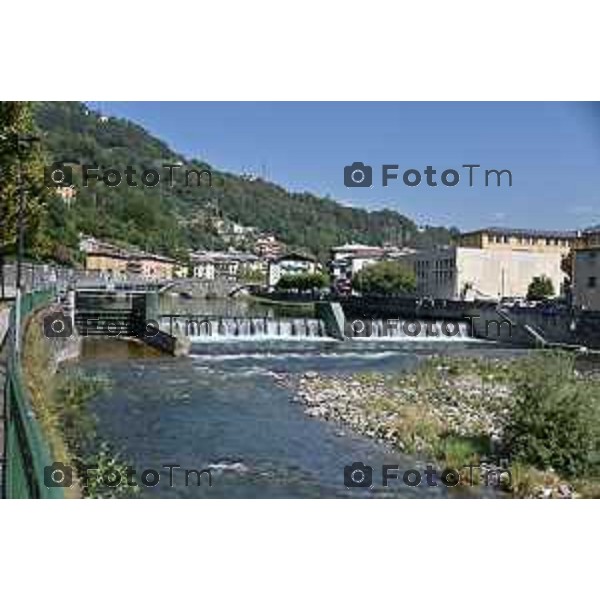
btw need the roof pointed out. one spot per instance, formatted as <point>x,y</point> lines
<point>222,257</point>
<point>354,248</point>
<point>594,229</point>
<point>295,256</point>
<point>99,248</point>
<point>542,233</point>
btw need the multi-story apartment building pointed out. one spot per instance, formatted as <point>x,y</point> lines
<point>107,259</point>
<point>293,263</point>
<point>224,265</point>
<point>115,261</point>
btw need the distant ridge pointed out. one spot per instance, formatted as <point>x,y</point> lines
<point>171,220</point>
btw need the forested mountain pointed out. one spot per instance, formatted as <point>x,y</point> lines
<point>170,220</point>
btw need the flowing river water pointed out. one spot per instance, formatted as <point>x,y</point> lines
<point>224,408</point>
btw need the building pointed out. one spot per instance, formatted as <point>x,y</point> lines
<point>526,240</point>
<point>349,259</point>
<point>117,262</point>
<point>107,259</point>
<point>588,238</point>
<point>292,263</point>
<point>268,247</point>
<point>224,265</point>
<point>232,232</point>
<point>180,271</point>
<point>151,266</point>
<point>586,270</point>
<point>586,279</point>
<point>68,194</point>
<point>467,273</point>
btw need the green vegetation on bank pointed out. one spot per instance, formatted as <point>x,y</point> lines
<point>555,417</point>
<point>60,400</point>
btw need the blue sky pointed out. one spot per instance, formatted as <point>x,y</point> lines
<point>552,150</point>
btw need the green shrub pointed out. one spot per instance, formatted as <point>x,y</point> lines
<point>554,422</point>
<point>386,278</point>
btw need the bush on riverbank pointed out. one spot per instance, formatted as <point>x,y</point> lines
<point>555,421</point>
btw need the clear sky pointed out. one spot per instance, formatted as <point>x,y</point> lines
<point>552,150</point>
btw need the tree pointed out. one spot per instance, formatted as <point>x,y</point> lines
<point>302,282</point>
<point>21,171</point>
<point>540,288</point>
<point>247,274</point>
<point>385,278</point>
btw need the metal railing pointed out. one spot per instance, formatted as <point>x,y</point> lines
<point>26,449</point>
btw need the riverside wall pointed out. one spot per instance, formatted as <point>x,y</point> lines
<point>60,349</point>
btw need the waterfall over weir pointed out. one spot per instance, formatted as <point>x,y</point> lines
<point>215,328</point>
<point>252,328</point>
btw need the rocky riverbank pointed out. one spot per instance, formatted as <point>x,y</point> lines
<point>453,411</point>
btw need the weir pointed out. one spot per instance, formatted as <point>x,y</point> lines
<point>215,327</point>
<point>220,328</point>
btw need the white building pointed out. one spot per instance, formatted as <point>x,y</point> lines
<point>224,265</point>
<point>290,264</point>
<point>460,273</point>
<point>203,267</point>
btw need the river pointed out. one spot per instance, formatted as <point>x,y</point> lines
<point>225,408</point>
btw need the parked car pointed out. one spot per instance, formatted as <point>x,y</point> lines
<point>512,302</point>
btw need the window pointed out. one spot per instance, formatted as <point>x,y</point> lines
<point>591,282</point>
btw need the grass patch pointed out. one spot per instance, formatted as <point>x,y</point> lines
<point>60,400</point>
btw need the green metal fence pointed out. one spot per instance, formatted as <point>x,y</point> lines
<point>26,450</point>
